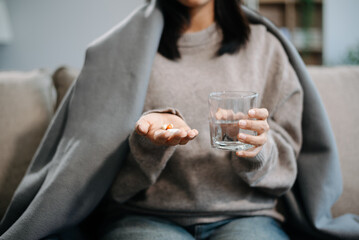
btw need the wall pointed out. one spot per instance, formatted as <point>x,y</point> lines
<point>341,30</point>
<point>50,33</point>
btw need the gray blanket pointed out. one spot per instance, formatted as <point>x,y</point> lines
<point>86,141</point>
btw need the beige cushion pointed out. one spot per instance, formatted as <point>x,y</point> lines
<point>62,79</point>
<point>26,106</point>
<point>338,87</point>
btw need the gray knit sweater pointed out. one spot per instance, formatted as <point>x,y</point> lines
<point>195,183</point>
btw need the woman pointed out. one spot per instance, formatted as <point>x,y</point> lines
<point>173,185</point>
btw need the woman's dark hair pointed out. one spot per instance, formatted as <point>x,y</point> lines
<point>228,15</point>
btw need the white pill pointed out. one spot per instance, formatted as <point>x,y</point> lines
<point>173,130</point>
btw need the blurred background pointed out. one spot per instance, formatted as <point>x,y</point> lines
<point>48,33</point>
<point>323,31</point>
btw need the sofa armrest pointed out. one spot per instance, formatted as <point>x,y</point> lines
<point>26,108</point>
<point>28,101</point>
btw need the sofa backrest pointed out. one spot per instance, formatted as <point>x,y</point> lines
<point>28,101</point>
<point>338,88</point>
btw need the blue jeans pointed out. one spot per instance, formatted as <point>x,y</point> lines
<point>134,227</point>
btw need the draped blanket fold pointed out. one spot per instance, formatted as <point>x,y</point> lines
<point>85,143</point>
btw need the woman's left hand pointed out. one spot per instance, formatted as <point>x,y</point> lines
<point>260,125</point>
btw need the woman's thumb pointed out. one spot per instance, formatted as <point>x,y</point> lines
<point>142,127</point>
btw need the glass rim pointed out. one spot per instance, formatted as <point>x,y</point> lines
<point>232,94</point>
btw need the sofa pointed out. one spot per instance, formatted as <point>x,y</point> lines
<point>28,101</point>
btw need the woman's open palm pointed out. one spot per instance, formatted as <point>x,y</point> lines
<point>150,125</point>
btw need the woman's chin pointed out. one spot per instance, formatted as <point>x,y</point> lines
<point>194,3</point>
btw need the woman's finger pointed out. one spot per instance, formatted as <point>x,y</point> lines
<point>176,137</point>
<point>240,115</point>
<point>142,127</point>
<point>253,140</point>
<point>160,136</point>
<point>224,114</point>
<point>258,113</point>
<point>191,134</point>
<point>258,126</point>
<point>250,153</point>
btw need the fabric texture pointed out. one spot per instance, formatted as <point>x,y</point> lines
<point>82,149</point>
<point>319,181</point>
<point>152,228</point>
<point>26,108</point>
<point>338,88</point>
<point>196,183</point>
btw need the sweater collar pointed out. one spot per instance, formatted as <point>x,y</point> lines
<point>210,35</point>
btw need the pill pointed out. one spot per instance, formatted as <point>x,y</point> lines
<point>173,130</point>
<point>167,126</point>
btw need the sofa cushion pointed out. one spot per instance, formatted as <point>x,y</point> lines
<point>62,80</point>
<point>27,100</point>
<point>338,88</point>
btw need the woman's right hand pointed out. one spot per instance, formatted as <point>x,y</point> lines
<point>150,126</point>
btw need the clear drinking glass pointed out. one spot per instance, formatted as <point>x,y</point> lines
<point>225,110</point>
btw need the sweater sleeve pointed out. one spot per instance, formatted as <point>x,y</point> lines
<point>143,165</point>
<point>274,169</point>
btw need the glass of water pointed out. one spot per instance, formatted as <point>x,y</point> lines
<point>225,110</point>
